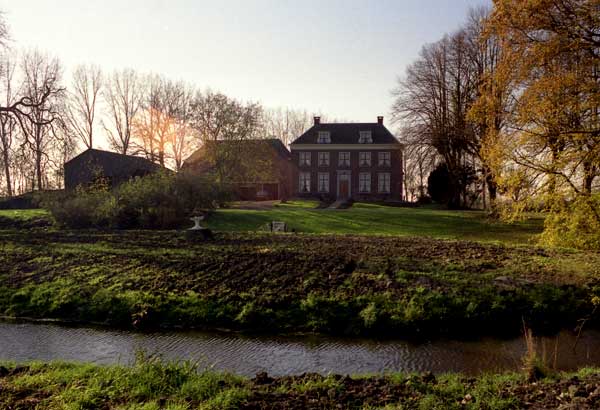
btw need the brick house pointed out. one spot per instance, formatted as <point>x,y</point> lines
<point>362,161</point>
<point>256,169</point>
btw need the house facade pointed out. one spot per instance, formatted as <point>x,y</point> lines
<point>362,161</point>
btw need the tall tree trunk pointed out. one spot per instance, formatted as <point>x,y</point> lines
<point>38,169</point>
<point>5,160</point>
<point>492,186</point>
<point>588,177</point>
<point>7,174</point>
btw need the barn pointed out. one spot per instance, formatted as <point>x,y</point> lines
<point>94,165</point>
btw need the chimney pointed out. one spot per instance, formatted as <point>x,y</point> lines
<point>317,120</point>
<point>380,120</point>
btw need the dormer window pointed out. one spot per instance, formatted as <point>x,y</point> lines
<point>365,137</point>
<point>324,137</point>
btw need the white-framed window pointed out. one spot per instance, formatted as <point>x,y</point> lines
<point>305,159</point>
<point>365,137</point>
<point>344,159</point>
<point>304,183</point>
<point>323,181</point>
<point>385,159</point>
<point>364,159</point>
<point>384,182</point>
<point>324,137</point>
<point>364,182</point>
<point>323,159</point>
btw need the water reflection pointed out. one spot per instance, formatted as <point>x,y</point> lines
<point>284,355</point>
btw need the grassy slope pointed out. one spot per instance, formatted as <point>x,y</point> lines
<point>22,214</point>
<point>290,282</point>
<point>369,219</point>
<point>152,386</point>
<point>395,284</point>
<point>362,219</point>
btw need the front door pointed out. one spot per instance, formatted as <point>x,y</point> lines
<point>344,188</point>
<point>343,185</point>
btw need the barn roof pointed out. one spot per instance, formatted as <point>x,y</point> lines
<point>112,162</point>
<point>278,147</point>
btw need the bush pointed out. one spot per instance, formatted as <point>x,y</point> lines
<point>439,184</point>
<point>575,224</point>
<point>85,208</point>
<point>446,187</point>
<point>424,200</point>
<point>160,201</point>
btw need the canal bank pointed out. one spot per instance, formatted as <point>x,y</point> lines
<point>338,285</point>
<point>153,385</point>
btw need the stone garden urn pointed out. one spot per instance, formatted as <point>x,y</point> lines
<point>198,232</point>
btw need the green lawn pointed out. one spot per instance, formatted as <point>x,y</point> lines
<point>363,219</point>
<point>22,214</point>
<point>369,219</point>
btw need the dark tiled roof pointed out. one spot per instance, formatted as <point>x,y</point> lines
<point>92,164</point>
<point>279,147</point>
<point>275,143</point>
<point>115,162</point>
<point>347,133</point>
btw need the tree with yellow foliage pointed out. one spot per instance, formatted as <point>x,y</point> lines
<point>545,90</point>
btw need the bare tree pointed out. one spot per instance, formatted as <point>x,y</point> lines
<point>182,137</point>
<point>4,35</point>
<point>484,53</point>
<point>8,123</point>
<point>419,161</point>
<point>218,117</point>
<point>20,107</point>
<point>223,125</point>
<point>433,100</point>
<point>286,124</point>
<point>41,75</point>
<point>123,95</point>
<point>82,100</point>
<point>30,119</point>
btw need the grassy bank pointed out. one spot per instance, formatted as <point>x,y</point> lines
<point>152,385</point>
<point>370,219</point>
<point>367,285</point>
<point>361,219</point>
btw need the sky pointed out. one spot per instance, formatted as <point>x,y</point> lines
<point>338,57</point>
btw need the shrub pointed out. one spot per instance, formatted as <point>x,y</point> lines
<point>161,200</point>
<point>446,187</point>
<point>85,208</point>
<point>575,224</point>
<point>369,315</point>
<point>424,200</point>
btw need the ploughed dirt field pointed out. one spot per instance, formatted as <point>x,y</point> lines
<point>415,391</point>
<point>157,386</point>
<point>291,282</point>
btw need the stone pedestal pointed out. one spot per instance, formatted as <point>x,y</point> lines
<point>199,235</point>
